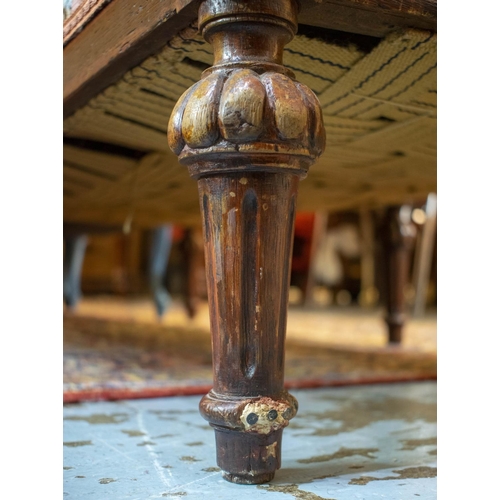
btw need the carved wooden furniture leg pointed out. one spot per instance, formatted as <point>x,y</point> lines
<point>398,237</point>
<point>248,132</point>
<point>158,261</point>
<point>74,253</point>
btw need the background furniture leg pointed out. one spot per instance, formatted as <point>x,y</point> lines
<point>398,236</point>
<point>161,245</point>
<point>74,253</point>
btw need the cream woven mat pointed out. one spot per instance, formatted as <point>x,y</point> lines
<point>379,112</point>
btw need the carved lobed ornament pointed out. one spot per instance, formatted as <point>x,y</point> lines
<point>247,109</point>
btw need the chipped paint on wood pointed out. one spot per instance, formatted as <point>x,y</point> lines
<point>265,415</point>
<point>270,451</point>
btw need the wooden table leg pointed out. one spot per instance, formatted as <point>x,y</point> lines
<point>248,132</point>
<point>398,237</point>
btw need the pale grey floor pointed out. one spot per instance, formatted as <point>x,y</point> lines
<point>364,442</point>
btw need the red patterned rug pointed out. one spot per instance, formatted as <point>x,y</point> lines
<point>111,360</point>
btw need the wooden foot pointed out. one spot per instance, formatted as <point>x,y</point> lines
<point>398,237</point>
<point>248,132</point>
<point>248,232</point>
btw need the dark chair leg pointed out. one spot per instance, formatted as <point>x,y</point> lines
<point>74,253</point>
<point>160,252</point>
<point>248,132</point>
<point>398,238</point>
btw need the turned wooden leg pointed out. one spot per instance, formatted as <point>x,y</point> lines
<point>398,237</point>
<point>74,253</point>
<point>248,132</point>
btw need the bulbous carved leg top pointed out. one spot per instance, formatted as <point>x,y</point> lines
<point>247,111</point>
<point>248,131</point>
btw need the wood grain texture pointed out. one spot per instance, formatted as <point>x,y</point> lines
<point>290,113</point>
<point>81,13</point>
<point>199,122</point>
<point>248,270</point>
<point>242,107</point>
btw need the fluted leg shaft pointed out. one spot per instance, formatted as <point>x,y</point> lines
<point>248,228</point>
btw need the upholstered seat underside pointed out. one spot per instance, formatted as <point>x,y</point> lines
<point>379,109</point>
